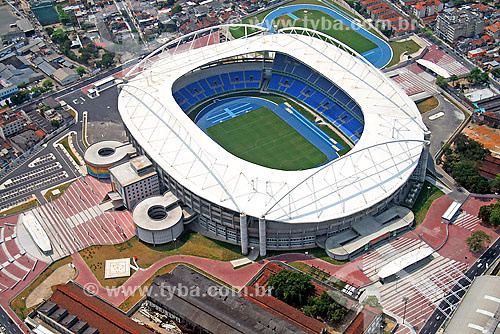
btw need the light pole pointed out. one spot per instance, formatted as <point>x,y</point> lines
<point>405,300</point>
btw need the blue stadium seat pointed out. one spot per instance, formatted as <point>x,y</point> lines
<point>214,81</point>
<point>253,75</point>
<point>226,82</point>
<point>237,77</point>
<point>301,70</point>
<point>206,88</point>
<point>324,84</point>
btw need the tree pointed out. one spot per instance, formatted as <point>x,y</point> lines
<point>291,287</point>
<point>107,60</point>
<point>324,307</point>
<point>49,30</point>
<point>495,217</point>
<point>55,123</point>
<point>176,9</point>
<point>80,70</point>
<point>59,36</point>
<point>477,240</point>
<point>441,82</point>
<point>478,76</point>
<point>485,212</point>
<point>20,96</point>
<point>47,84</point>
<point>495,183</point>
<point>453,77</point>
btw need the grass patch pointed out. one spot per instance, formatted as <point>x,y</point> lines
<point>62,187</point>
<point>332,134</point>
<point>424,201</point>
<point>317,20</point>
<point>65,143</point>
<point>278,99</point>
<point>190,243</point>
<point>263,138</point>
<point>18,303</point>
<point>398,48</point>
<point>21,207</point>
<point>84,130</point>
<point>427,104</point>
<point>307,269</point>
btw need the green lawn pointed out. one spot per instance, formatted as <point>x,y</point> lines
<point>424,201</point>
<point>190,243</point>
<point>317,20</point>
<point>399,47</point>
<point>262,137</point>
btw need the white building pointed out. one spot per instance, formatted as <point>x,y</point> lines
<point>7,89</point>
<point>135,180</point>
<point>10,124</point>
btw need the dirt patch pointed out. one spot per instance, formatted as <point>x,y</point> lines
<point>489,137</point>
<point>42,292</point>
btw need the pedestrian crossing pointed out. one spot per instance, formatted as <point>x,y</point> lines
<point>467,221</point>
<point>424,287</point>
<point>371,263</point>
<point>411,82</point>
<point>75,220</point>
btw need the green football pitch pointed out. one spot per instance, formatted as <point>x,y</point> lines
<point>317,20</point>
<point>262,137</point>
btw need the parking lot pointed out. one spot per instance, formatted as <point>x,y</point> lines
<point>104,121</point>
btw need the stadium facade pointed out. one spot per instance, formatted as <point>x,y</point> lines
<point>251,205</point>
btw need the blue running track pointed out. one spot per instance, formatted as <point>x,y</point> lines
<point>225,109</point>
<point>379,56</point>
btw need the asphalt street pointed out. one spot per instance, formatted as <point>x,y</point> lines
<point>9,325</point>
<point>437,318</point>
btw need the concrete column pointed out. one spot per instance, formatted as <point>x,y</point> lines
<point>244,233</point>
<point>262,236</point>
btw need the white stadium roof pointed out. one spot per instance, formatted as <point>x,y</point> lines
<point>380,163</point>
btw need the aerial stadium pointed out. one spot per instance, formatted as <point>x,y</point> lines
<point>276,140</point>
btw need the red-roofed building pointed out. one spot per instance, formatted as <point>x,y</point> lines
<point>493,30</point>
<point>427,8</point>
<point>367,321</point>
<point>368,3</point>
<point>70,309</point>
<point>490,167</point>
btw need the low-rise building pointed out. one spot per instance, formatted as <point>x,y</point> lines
<point>476,53</point>
<point>71,309</point>
<point>210,307</point>
<point>427,8</point>
<point>135,180</point>
<point>493,29</point>
<point>65,76</point>
<point>7,89</point>
<point>10,124</point>
<point>25,140</point>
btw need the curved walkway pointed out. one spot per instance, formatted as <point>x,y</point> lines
<point>224,271</point>
<point>379,56</point>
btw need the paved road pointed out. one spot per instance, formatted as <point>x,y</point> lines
<point>10,326</point>
<point>480,266</point>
